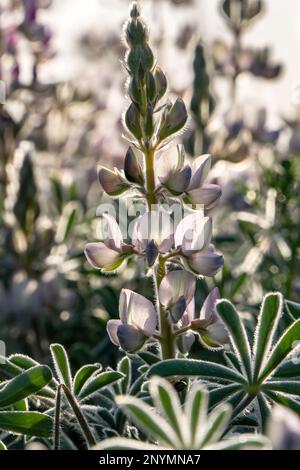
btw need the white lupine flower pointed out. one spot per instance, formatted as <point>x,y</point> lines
<point>109,254</point>
<point>198,192</point>
<point>206,263</point>
<point>138,320</point>
<point>177,284</point>
<point>284,429</point>
<point>155,226</point>
<point>176,291</point>
<point>171,172</point>
<point>210,327</point>
<point>193,233</point>
<point>192,237</point>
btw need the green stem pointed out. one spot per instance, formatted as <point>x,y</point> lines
<point>80,417</point>
<point>150,179</point>
<point>166,331</point>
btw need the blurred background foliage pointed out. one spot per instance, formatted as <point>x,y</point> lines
<point>62,115</point>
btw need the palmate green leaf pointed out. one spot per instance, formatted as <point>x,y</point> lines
<point>148,357</point>
<point>221,393</point>
<point>8,370</point>
<point>95,384</point>
<point>190,367</point>
<point>167,402</point>
<point>152,424</point>
<point>281,399</point>
<point>268,320</point>
<point>282,349</point>
<point>237,331</point>
<point>264,411</point>
<point>196,410</point>
<point>293,309</point>
<point>83,375</point>
<point>25,384</point>
<point>288,369</point>
<point>121,443</point>
<point>124,367</point>
<point>61,364</point>
<point>30,423</point>
<point>24,363</point>
<point>2,446</point>
<point>289,387</point>
<point>216,425</point>
<point>243,442</point>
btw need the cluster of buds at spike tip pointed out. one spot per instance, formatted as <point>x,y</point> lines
<point>147,85</point>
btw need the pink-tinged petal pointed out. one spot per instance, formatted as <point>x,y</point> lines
<point>206,263</point>
<point>102,257</point>
<point>124,301</point>
<point>112,233</point>
<point>165,165</point>
<point>111,181</point>
<point>177,284</point>
<point>208,308</point>
<point>156,226</point>
<point>217,333</point>
<point>208,195</point>
<point>193,233</point>
<point>136,310</point>
<point>188,315</point>
<point>185,342</point>
<point>111,328</point>
<point>200,169</point>
<point>130,338</point>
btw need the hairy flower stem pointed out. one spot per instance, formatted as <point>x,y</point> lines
<point>80,417</point>
<point>56,437</point>
<point>166,331</point>
<point>150,180</point>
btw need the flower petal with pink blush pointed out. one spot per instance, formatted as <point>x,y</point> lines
<point>200,169</point>
<point>102,257</point>
<point>177,284</point>
<point>130,339</point>
<point>112,233</point>
<point>206,263</point>
<point>188,315</point>
<point>193,233</point>
<point>111,328</point>
<point>208,195</point>
<point>137,311</point>
<point>208,308</point>
<point>217,333</point>
<point>156,226</point>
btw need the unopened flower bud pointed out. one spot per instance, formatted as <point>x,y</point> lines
<point>132,121</point>
<point>151,87</point>
<point>149,126</point>
<point>135,90</point>
<point>134,11</point>
<point>160,82</point>
<point>132,168</point>
<point>178,181</point>
<point>174,120</point>
<point>112,182</point>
